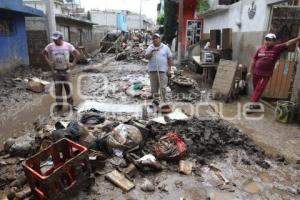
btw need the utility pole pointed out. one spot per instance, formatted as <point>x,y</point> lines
<point>51,17</point>
<point>141,1</point>
<point>179,31</point>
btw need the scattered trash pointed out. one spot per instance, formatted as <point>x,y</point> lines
<point>149,161</point>
<point>130,171</point>
<point>19,195</point>
<point>92,119</point>
<point>183,81</point>
<point>97,159</point>
<point>147,186</point>
<point>178,184</point>
<point>160,120</point>
<point>170,147</point>
<point>21,146</point>
<point>73,132</point>
<point>177,115</point>
<point>130,91</point>
<point>124,137</point>
<point>185,167</point>
<point>121,56</point>
<point>36,85</point>
<point>165,109</point>
<point>120,180</point>
<point>137,85</point>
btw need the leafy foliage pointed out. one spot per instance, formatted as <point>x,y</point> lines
<point>202,6</point>
<point>170,24</point>
<point>161,19</point>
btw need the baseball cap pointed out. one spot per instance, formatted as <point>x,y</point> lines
<point>56,35</point>
<point>270,36</point>
<point>155,35</point>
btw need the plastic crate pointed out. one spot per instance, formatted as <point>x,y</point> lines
<point>58,171</point>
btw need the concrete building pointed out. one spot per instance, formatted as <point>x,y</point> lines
<point>13,37</point>
<point>248,21</point>
<point>111,19</point>
<point>241,26</point>
<point>192,29</point>
<point>120,20</point>
<point>77,31</point>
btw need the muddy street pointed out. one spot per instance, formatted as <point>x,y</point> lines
<point>225,162</point>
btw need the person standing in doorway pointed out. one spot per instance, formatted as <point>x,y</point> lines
<point>57,55</point>
<point>159,67</point>
<point>263,63</point>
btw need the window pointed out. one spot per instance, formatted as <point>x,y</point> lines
<point>227,2</point>
<point>66,31</point>
<point>193,32</point>
<point>6,26</point>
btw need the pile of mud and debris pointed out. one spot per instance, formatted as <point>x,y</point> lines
<point>209,138</point>
<point>133,51</point>
<point>134,145</point>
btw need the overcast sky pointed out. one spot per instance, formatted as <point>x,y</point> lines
<point>148,6</point>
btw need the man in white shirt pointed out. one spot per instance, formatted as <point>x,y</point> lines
<point>159,67</point>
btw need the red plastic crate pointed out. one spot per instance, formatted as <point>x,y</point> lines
<point>70,170</point>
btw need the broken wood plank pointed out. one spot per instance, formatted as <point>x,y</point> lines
<point>225,77</point>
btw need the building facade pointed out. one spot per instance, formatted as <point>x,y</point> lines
<point>248,21</point>
<point>192,25</point>
<point>13,37</point>
<point>241,25</point>
<point>121,20</point>
<point>77,31</point>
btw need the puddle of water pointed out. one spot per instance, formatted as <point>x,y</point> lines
<point>110,107</point>
<point>13,123</point>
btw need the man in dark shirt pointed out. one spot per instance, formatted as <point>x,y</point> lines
<point>263,64</point>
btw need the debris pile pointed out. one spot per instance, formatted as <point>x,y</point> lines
<point>206,139</point>
<point>132,52</point>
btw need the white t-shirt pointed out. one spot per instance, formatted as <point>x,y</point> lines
<point>160,58</point>
<point>60,55</point>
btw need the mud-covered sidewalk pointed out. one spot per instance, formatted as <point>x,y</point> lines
<point>225,163</point>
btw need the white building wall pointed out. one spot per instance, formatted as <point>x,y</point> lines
<point>41,5</point>
<point>133,21</point>
<point>103,18</point>
<point>233,16</point>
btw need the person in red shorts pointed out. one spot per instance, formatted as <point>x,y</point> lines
<point>263,63</point>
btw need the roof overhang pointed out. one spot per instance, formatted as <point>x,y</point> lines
<point>215,10</point>
<point>74,19</point>
<point>21,9</point>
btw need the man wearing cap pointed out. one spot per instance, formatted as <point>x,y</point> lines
<point>159,67</point>
<point>263,63</point>
<point>57,55</point>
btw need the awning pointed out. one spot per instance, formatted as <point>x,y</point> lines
<point>15,6</point>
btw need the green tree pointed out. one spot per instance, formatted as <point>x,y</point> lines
<point>202,6</point>
<point>170,24</point>
<point>160,19</point>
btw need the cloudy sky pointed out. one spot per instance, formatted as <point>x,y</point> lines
<point>148,6</point>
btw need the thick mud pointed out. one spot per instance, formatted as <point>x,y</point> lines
<point>227,164</point>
